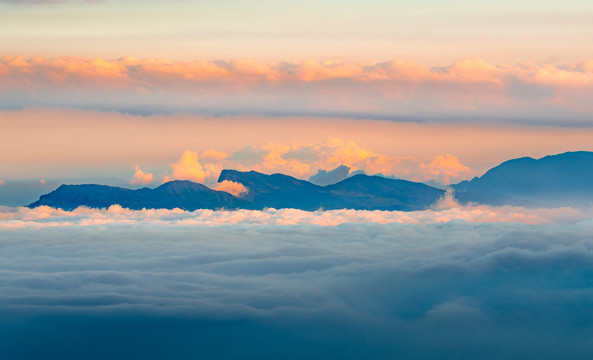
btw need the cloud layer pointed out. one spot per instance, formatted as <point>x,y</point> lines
<point>302,160</point>
<point>444,211</point>
<point>184,290</point>
<point>391,89</point>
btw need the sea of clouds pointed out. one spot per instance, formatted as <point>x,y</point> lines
<point>447,283</point>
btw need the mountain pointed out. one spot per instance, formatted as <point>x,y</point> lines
<point>324,177</point>
<point>185,195</point>
<point>277,190</point>
<point>556,180</point>
<point>379,193</point>
<point>360,192</point>
<point>264,191</point>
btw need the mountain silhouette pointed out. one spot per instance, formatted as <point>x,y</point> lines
<point>265,191</point>
<point>324,177</point>
<point>556,180</point>
<point>181,194</point>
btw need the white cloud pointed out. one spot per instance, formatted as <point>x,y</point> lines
<point>357,290</point>
<point>444,211</point>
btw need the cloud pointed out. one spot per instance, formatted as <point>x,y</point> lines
<point>357,290</point>
<point>443,168</point>
<point>140,177</point>
<point>388,90</point>
<point>305,159</point>
<point>445,210</point>
<point>231,187</point>
<point>212,154</point>
<point>189,168</point>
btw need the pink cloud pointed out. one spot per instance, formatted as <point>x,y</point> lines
<point>140,177</point>
<point>231,187</point>
<point>132,73</point>
<point>389,89</point>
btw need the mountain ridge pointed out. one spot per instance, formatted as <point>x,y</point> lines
<point>555,180</point>
<point>361,192</point>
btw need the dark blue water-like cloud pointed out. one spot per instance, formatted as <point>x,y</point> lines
<point>354,291</point>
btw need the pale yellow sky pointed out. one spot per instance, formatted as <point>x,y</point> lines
<point>430,32</point>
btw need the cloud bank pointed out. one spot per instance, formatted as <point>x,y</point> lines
<point>302,160</point>
<point>391,90</point>
<point>444,211</point>
<point>361,290</point>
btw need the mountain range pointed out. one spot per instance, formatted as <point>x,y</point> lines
<point>557,180</point>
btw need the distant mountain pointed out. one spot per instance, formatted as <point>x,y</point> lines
<point>277,190</point>
<point>556,180</point>
<point>265,191</point>
<point>357,192</point>
<point>379,193</point>
<point>185,195</point>
<point>324,178</point>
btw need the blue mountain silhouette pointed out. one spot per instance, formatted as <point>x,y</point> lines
<point>264,191</point>
<point>556,180</point>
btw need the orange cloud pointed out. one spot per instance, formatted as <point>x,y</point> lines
<point>390,88</point>
<point>302,160</point>
<point>213,155</point>
<point>234,188</point>
<point>188,167</point>
<point>443,168</point>
<point>140,177</point>
<point>128,71</point>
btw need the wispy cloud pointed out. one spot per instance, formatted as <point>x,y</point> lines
<point>383,89</point>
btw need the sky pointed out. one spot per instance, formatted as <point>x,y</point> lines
<point>135,93</point>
